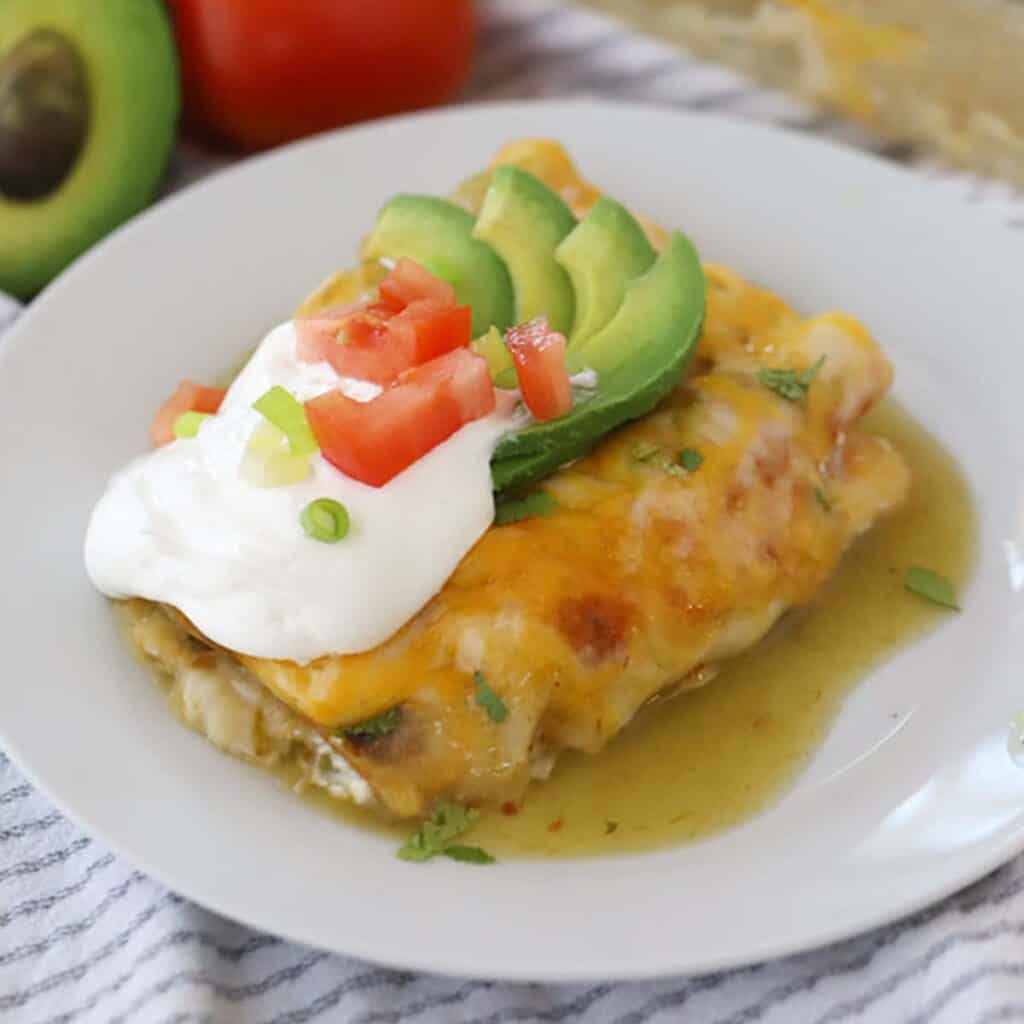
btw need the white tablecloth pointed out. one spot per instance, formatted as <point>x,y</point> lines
<point>84,937</point>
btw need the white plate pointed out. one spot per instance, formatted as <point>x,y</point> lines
<point>885,819</point>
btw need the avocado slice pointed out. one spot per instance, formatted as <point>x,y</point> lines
<point>639,357</point>
<point>471,191</point>
<point>523,221</point>
<point>518,471</point>
<point>601,256</point>
<point>439,235</point>
<point>88,107</point>
<point>657,306</point>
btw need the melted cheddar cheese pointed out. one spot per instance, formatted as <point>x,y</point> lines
<point>643,577</point>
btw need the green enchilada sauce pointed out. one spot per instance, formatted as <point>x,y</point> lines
<point>711,758</point>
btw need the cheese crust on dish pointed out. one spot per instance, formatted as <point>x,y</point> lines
<point>644,576</point>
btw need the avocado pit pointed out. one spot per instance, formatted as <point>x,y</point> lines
<point>44,115</point>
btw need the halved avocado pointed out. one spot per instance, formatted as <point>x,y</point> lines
<point>88,107</point>
<point>523,221</point>
<point>606,251</point>
<point>639,357</point>
<point>439,236</point>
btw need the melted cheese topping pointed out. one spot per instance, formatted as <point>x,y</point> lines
<point>641,578</point>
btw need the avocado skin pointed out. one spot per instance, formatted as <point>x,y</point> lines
<point>439,235</point>
<point>602,255</point>
<point>127,51</point>
<point>523,221</point>
<point>664,311</point>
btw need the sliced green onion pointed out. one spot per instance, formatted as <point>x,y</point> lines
<point>325,520</point>
<point>286,412</point>
<point>188,423</point>
<point>268,459</point>
<point>492,347</point>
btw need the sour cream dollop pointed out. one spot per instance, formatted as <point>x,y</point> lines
<point>180,525</point>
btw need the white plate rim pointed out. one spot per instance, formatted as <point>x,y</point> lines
<point>457,965</point>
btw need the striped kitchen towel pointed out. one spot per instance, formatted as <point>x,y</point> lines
<point>86,938</point>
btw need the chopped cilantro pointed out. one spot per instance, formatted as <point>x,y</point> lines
<point>792,385</point>
<point>822,499</point>
<point>373,728</point>
<point>691,460</point>
<point>643,451</point>
<point>488,699</point>
<point>931,586</point>
<point>447,822</point>
<point>512,510</point>
<point>653,455</point>
<point>467,854</point>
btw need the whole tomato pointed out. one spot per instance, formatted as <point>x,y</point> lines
<point>260,72</point>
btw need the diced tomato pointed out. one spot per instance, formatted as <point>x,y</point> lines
<point>315,333</point>
<point>408,282</point>
<point>539,356</point>
<point>189,397</point>
<point>466,378</point>
<point>414,321</point>
<point>375,441</point>
<point>505,402</point>
<point>435,329</point>
<point>368,347</point>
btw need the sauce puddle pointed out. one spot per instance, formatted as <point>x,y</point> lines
<point>711,758</point>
